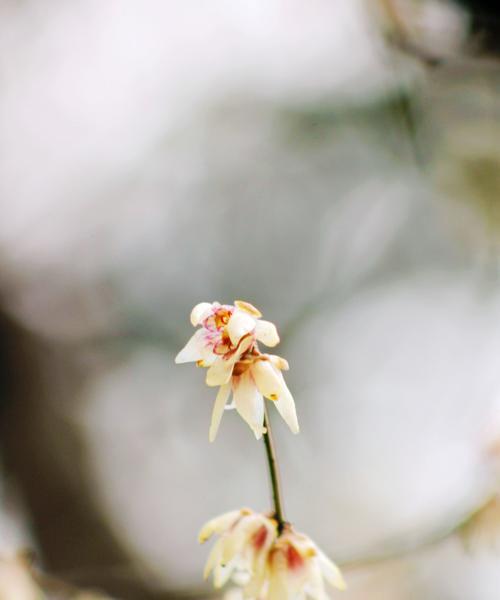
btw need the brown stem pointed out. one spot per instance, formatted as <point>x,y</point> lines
<point>273,472</point>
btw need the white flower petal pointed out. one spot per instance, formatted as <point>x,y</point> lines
<point>222,573</point>
<point>249,402</point>
<point>260,559</point>
<point>278,362</point>
<point>286,407</point>
<point>213,558</point>
<point>330,571</point>
<point>315,586</point>
<point>266,332</point>
<point>219,524</point>
<point>240,323</point>
<point>239,537</point>
<point>208,358</point>
<point>220,372</point>
<point>279,588</point>
<point>243,345</point>
<point>267,379</point>
<point>200,312</point>
<point>247,307</point>
<point>194,350</point>
<point>218,411</point>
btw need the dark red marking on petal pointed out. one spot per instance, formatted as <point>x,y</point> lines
<point>259,537</point>
<point>294,559</point>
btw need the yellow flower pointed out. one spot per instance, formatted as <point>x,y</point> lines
<point>242,549</point>
<point>226,344</point>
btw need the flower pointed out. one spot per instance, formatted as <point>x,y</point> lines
<point>226,344</point>
<point>242,550</point>
<point>297,569</point>
<point>268,565</point>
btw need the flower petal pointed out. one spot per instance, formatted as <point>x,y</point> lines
<point>219,524</point>
<point>286,407</point>
<point>278,362</point>
<point>279,588</point>
<point>194,350</point>
<point>200,312</point>
<point>315,585</point>
<point>218,411</point>
<point>239,325</point>
<point>213,558</point>
<point>219,372</point>
<point>330,571</point>
<point>249,402</point>
<point>249,308</point>
<point>267,379</point>
<point>239,537</point>
<point>222,573</point>
<point>266,332</point>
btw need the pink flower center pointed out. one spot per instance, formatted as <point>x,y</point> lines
<point>215,331</point>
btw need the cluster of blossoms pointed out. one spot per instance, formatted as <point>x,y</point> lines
<point>226,344</point>
<point>261,553</point>
<point>252,553</point>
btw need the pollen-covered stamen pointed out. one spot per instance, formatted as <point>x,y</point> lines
<point>219,318</point>
<point>217,332</point>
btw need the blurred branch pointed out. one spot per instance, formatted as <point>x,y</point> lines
<point>402,550</point>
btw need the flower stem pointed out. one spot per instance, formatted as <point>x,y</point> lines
<point>272,463</point>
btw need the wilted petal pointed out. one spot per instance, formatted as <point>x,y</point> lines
<point>239,325</point>
<point>286,407</point>
<point>267,379</point>
<point>194,350</point>
<point>220,372</point>
<point>219,524</point>
<point>218,410</point>
<point>249,308</point>
<point>266,332</point>
<point>200,312</point>
<point>249,402</point>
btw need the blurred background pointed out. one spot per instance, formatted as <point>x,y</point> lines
<point>334,162</point>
